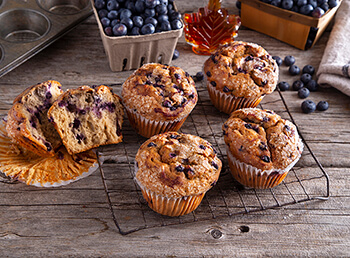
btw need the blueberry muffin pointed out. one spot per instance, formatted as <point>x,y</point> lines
<point>25,166</point>
<point>87,117</point>
<point>261,147</point>
<point>174,171</point>
<point>27,122</point>
<point>158,98</point>
<point>239,75</point>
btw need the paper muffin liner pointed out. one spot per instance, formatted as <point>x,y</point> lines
<point>256,178</point>
<point>147,127</point>
<point>31,169</point>
<point>169,206</point>
<point>227,103</point>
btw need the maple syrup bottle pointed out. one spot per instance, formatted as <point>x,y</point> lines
<point>210,27</point>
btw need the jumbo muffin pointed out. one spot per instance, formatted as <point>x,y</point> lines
<point>158,98</point>
<point>27,122</point>
<point>174,171</point>
<point>261,147</point>
<point>239,75</point>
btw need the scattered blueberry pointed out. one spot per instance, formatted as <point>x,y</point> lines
<point>308,69</point>
<point>312,85</point>
<point>283,86</point>
<point>289,60</point>
<point>176,54</point>
<point>297,85</point>
<point>308,106</point>
<point>294,70</point>
<point>199,76</point>
<point>278,60</point>
<point>322,105</point>
<point>303,93</point>
<point>305,78</point>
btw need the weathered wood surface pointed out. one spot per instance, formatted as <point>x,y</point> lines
<point>75,220</point>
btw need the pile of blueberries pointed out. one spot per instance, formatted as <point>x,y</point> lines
<point>304,85</point>
<point>314,8</point>
<point>137,17</point>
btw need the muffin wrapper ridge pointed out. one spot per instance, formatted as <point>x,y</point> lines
<point>147,127</point>
<point>256,178</point>
<point>228,103</point>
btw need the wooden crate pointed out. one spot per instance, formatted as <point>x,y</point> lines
<point>287,26</point>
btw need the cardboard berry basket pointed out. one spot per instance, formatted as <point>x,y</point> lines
<point>131,52</point>
<point>296,29</point>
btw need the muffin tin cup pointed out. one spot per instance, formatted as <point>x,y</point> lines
<point>29,26</point>
<point>170,206</point>
<point>148,128</point>
<point>256,178</point>
<point>228,103</point>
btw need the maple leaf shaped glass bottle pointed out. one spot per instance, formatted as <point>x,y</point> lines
<point>210,27</point>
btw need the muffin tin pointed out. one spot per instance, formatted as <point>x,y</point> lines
<point>28,26</point>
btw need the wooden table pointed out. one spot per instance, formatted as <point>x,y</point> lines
<point>76,220</point>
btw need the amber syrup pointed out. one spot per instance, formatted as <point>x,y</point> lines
<point>210,27</point>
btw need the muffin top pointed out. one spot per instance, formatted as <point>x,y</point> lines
<point>160,92</point>
<point>242,69</point>
<point>177,165</point>
<point>262,139</point>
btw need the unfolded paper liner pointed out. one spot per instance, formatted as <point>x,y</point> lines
<point>31,169</point>
<point>169,206</point>
<point>147,127</point>
<point>256,178</point>
<point>227,103</point>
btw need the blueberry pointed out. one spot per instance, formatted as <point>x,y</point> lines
<point>102,13</point>
<point>152,21</point>
<point>112,15</point>
<point>161,9</point>
<point>301,2</point>
<point>163,18</point>
<point>147,29</point>
<point>176,24</point>
<point>276,3</point>
<point>138,21</point>
<point>289,60</point>
<point>297,85</point>
<point>76,123</point>
<point>140,6</point>
<point>305,78</point>
<point>108,31</point>
<point>322,105</point>
<point>112,5</point>
<point>283,86</point>
<point>312,85</point>
<point>333,3</point>
<point>149,12</point>
<point>131,6</point>
<point>179,168</point>
<point>127,22</point>
<point>135,31</point>
<point>199,76</point>
<point>165,26</point>
<point>325,7</point>
<point>151,144</point>
<point>99,4</point>
<point>294,70</point>
<point>238,5</point>
<point>278,60</point>
<point>303,93</point>
<point>150,3</point>
<point>121,1</point>
<point>287,4</point>
<point>318,12</point>
<point>308,69</point>
<point>105,22</point>
<point>295,8</point>
<point>306,9</point>
<point>308,106</point>
<point>176,54</point>
<point>313,3</point>
<point>120,30</point>
<point>175,16</point>
<point>163,2</point>
<point>126,13</point>
<point>114,22</point>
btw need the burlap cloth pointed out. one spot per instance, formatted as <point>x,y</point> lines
<point>334,69</point>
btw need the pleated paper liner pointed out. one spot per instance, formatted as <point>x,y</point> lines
<point>256,178</point>
<point>31,169</point>
<point>148,128</point>
<point>228,103</point>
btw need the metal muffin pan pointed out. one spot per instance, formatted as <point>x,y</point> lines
<point>28,26</point>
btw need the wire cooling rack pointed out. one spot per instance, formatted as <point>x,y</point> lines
<point>305,182</point>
